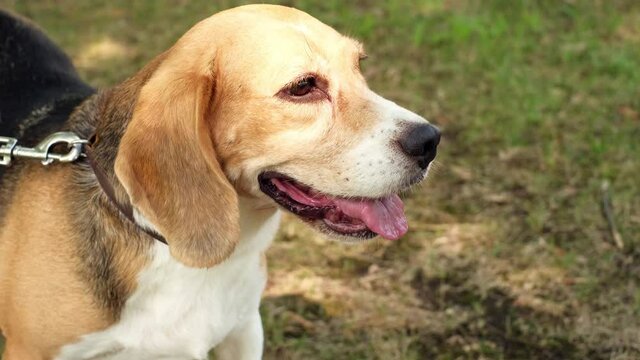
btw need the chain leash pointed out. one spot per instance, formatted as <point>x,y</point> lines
<point>10,150</point>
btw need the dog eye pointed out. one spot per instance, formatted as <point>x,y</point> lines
<point>303,87</point>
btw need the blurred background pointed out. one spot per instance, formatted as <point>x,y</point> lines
<point>524,242</point>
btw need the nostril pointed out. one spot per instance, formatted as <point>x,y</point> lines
<point>432,142</point>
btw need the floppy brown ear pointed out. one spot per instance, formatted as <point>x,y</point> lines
<point>167,164</point>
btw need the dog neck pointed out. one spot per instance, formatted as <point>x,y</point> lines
<point>258,225</point>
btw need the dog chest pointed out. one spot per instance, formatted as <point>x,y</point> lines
<point>178,312</point>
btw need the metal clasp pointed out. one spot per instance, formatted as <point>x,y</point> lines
<point>7,145</point>
<point>10,149</point>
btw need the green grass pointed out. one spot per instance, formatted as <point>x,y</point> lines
<point>510,256</point>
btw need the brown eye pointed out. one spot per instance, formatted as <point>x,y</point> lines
<point>307,88</point>
<point>303,87</point>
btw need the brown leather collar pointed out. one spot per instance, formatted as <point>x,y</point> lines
<point>125,209</point>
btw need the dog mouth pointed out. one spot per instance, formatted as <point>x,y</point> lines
<point>353,217</point>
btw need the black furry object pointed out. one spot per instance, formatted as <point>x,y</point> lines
<point>39,87</point>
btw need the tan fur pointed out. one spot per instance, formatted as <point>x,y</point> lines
<point>180,140</point>
<point>168,129</point>
<point>45,302</point>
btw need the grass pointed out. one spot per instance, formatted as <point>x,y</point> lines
<point>510,256</point>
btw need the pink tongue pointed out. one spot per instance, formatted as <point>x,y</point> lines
<point>383,216</point>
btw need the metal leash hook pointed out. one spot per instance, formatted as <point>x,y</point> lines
<point>10,149</point>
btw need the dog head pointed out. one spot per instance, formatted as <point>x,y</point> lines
<point>269,103</point>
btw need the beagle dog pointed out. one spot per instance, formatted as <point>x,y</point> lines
<point>255,109</point>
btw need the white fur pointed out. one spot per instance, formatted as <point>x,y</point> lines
<point>178,312</point>
<point>375,166</point>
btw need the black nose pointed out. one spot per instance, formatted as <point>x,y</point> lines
<point>421,143</point>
